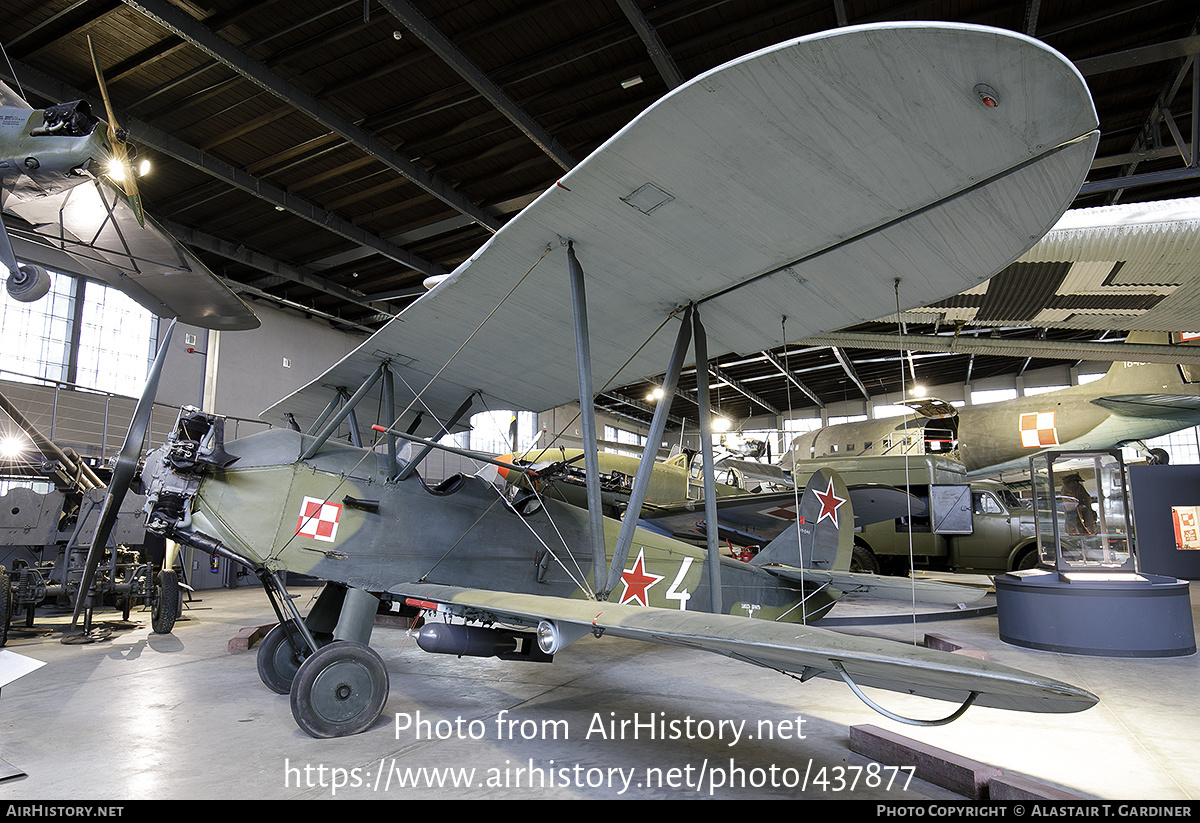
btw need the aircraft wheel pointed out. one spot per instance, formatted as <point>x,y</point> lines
<point>5,606</point>
<point>1158,457</point>
<point>28,283</point>
<point>164,607</point>
<point>278,660</point>
<point>339,690</point>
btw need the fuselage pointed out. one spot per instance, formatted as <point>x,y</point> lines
<point>1132,402</point>
<point>338,517</point>
<point>39,158</point>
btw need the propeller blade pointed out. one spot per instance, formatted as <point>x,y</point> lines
<point>123,474</point>
<point>116,144</point>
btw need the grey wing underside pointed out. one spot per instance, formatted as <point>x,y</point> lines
<point>806,651</point>
<point>95,226</point>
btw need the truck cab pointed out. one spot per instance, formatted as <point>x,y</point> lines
<point>978,526</point>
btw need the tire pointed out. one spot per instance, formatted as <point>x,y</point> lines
<point>164,606</point>
<point>864,561</point>
<point>278,660</point>
<point>1027,559</point>
<point>339,690</point>
<point>5,606</point>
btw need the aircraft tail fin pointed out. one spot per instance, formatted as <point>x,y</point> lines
<point>823,535</point>
<point>1129,377</point>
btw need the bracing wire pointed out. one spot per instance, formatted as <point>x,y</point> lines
<point>907,452</point>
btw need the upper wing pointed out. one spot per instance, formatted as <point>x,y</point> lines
<point>95,225</point>
<point>1129,266</point>
<point>806,650</point>
<point>787,192</point>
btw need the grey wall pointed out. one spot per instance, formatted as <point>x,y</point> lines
<point>253,369</point>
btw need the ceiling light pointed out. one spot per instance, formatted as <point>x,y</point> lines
<point>11,447</point>
<point>631,82</point>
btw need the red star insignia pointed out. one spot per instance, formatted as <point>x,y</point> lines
<point>637,582</point>
<point>829,504</point>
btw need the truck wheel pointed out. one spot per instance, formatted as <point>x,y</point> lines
<point>1026,560</point>
<point>863,560</point>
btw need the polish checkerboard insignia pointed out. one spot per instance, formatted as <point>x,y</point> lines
<point>319,519</point>
<point>1038,431</point>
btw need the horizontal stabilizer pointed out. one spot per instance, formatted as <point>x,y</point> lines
<point>805,650</point>
<point>1149,405</point>
<point>890,588</point>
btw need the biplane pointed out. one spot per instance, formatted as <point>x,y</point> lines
<point>801,188</point>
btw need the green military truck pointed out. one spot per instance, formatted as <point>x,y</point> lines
<point>977,526</point>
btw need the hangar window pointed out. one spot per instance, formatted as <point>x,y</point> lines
<point>117,342</point>
<point>852,418</point>
<point>978,398</point>
<point>82,333</point>
<point>37,335</point>
<point>1030,391</point>
<point>492,432</point>
<point>613,434</point>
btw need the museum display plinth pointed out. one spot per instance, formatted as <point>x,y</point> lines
<point>1087,595</point>
<point>1118,615</point>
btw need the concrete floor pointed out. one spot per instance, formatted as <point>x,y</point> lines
<point>145,716</point>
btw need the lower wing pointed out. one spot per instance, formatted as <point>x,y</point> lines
<point>806,651</point>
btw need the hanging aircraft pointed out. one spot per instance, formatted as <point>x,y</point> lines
<point>1133,402</point>
<point>68,186</point>
<point>803,180</point>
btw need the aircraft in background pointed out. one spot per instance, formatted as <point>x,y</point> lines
<point>68,183</point>
<point>1132,403</point>
<point>769,183</point>
<point>752,511</point>
<point>559,473</point>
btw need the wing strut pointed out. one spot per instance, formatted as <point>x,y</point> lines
<point>445,427</point>
<point>710,475</point>
<point>637,494</point>
<point>587,414</point>
<point>333,422</point>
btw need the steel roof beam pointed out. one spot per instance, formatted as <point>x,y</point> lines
<point>442,46</point>
<point>739,387</point>
<point>145,135</point>
<point>848,367</point>
<point>791,378</point>
<point>654,45</point>
<point>187,27</point>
